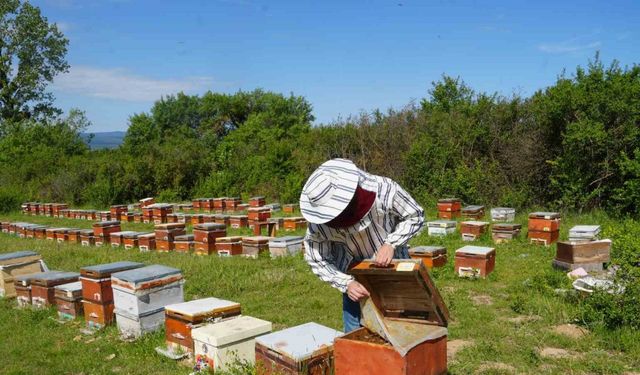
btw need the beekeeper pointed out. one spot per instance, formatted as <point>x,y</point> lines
<point>353,216</point>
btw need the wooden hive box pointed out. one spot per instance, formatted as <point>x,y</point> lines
<point>258,213</point>
<point>472,230</point>
<point>504,232</point>
<point>144,202</point>
<point>197,219</point>
<point>102,231</point>
<point>73,235</point>
<point>69,300</point>
<point>61,234</point>
<point>475,261</point>
<point>184,218</point>
<point>239,221</point>
<point>474,212</point>
<point>289,208</point>
<point>221,219</point>
<point>431,256</point>
<point>17,264</point>
<point>147,242</point>
<point>140,296</point>
<point>127,217</point>
<point>147,214</point>
<point>584,233</point>
<point>196,203</point>
<point>304,349</point>
<point>168,232</point>
<point>184,243</point>
<point>87,238</point>
<point>4,226</point>
<point>118,209</point>
<point>544,221</point>
<point>217,204</point>
<point>220,345</point>
<point>294,223</point>
<point>257,201</point>
<point>285,246</point>
<point>96,280</point>
<point>231,203</point>
<point>98,315</point>
<point>229,246</point>
<point>183,317</point>
<point>441,227</point>
<point>43,286</point>
<point>253,246</point>
<point>449,205</point>
<point>589,255</point>
<point>22,286</point>
<point>405,320</point>
<point>130,239</point>
<point>117,238</point>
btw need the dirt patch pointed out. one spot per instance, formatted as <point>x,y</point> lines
<point>454,346</point>
<point>449,289</point>
<point>571,330</point>
<point>493,367</point>
<point>482,299</point>
<point>524,319</point>
<point>557,353</point>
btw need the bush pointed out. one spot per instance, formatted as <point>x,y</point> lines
<point>10,199</point>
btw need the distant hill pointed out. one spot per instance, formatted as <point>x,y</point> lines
<point>105,139</point>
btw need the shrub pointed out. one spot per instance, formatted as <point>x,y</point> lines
<point>10,199</point>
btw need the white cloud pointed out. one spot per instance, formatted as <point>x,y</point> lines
<point>566,47</point>
<point>122,85</point>
<point>63,26</point>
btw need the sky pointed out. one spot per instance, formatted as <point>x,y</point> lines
<point>344,56</point>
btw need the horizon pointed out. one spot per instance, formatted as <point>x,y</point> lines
<point>343,58</point>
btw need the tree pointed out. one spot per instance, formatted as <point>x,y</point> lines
<point>32,53</point>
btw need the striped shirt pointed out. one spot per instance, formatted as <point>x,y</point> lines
<point>394,218</point>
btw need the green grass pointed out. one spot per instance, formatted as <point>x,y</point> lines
<point>285,292</point>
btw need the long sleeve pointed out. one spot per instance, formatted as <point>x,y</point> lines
<point>410,214</point>
<point>319,256</point>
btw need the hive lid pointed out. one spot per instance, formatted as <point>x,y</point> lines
<point>105,270</point>
<point>169,226</point>
<point>229,239</point>
<point>221,216</point>
<point>586,229</point>
<point>259,209</point>
<point>75,286</point>
<point>201,309</point>
<point>233,198</point>
<point>122,234</point>
<point>160,205</point>
<point>256,239</point>
<point>231,331</point>
<point>544,215</point>
<point>25,280</point>
<point>403,291</point>
<point>129,234</point>
<point>472,208</point>
<point>53,278</point>
<point>18,257</point>
<point>239,217</point>
<point>257,197</point>
<point>503,209</point>
<point>184,237</point>
<point>475,250</point>
<point>442,224</point>
<point>137,277</point>
<point>106,223</point>
<point>506,226</point>
<point>147,235</point>
<point>474,223</point>
<point>74,231</point>
<point>300,342</point>
<point>428,250</point>
<point>448,200</point>
<point>86,232</point>
<point>286,240</point>
<point>209,226</point>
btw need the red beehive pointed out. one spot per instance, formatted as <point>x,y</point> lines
<point>431,256</point>
<point>117,210</point>
<point>147,242</point>
<point>406,323</point>
<point>258,213</point>
<point>69,300</point>
<point>258,201</point>
<point>96,280</point>
<point>471,230</point>
<point>147,202</point>
<point>228,246</point>
<point>294,223</point>
<point>238,221</point>
<point>43,286</point>
<point>475,261</point>
<point>289,208</point>
<point>184,243</point>
<point>98,315</point>
<point>544,227</point>
<point>73,235</point>
<point>87,238</point>
<point>207,204</point>
<point>231,204</point>
<point>208,232</point>
<point>167,232</point>
<point>102,231</point>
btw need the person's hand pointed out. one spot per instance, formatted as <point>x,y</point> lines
<point>356,291</point>
<point>384,255</point>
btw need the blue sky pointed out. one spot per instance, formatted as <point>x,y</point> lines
<point>343,56</point>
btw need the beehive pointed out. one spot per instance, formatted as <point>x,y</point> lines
<point>69,300</point>
<point>475,261</point>
<point>43,286</point>
<point>441,227</point>
<point>431,256</point>
<point>590,255</point>
<point>229,246</point>
<point>16,264</point>
<point>472,230</point>
<point>283,246</point>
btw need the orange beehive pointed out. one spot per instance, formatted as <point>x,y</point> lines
<point>475,261</point>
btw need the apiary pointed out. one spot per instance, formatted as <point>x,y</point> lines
<point>441,227</point>
<point>220,345</point>
<point>43,286</point>
<point>284,246</point>
<point>475,261</point>
<point>17,264</point>
<point>431,256</point>
<point>405,323</point>
<point>229,246</point>
<point>304,349</point>
<point>182,318</point>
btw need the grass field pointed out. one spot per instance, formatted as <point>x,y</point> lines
<point>512,322</point>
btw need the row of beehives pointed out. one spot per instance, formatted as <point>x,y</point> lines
<point>159,213</point>
<point>584,248</point>
<point>207,239</point>
<point>141,299</point>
